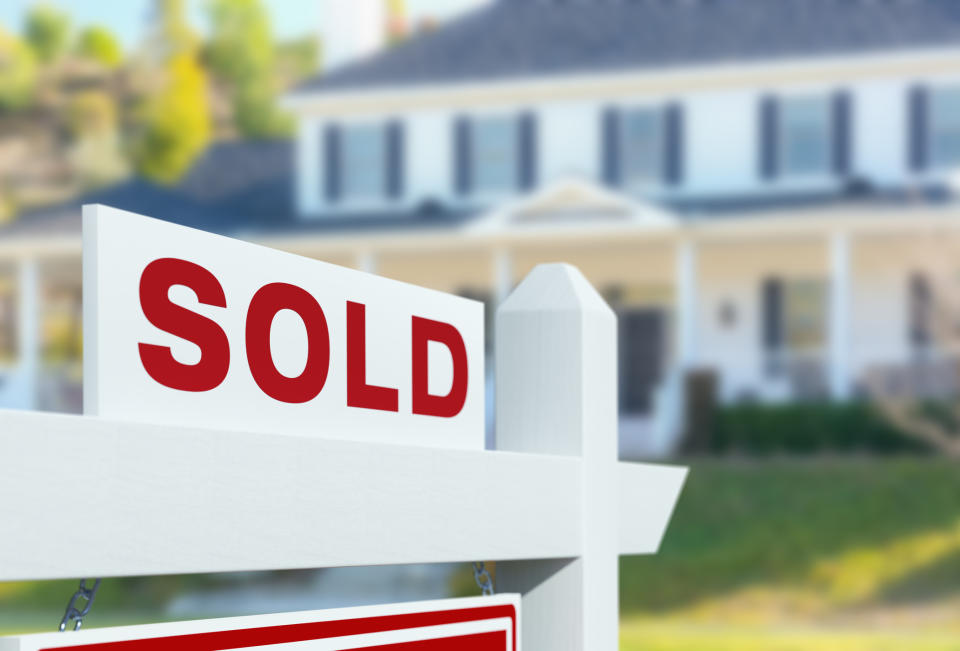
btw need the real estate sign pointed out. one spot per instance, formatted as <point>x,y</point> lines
<point>190,328</point>
<point>475,624</point>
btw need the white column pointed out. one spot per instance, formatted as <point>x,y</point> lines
<point>839,317</point>
<point>28,331</point>
<point>556,351</point>
<point>367,261</point>
<point>502,275</point>
<point>686,271</point>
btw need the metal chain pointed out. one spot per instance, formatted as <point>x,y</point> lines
<point>74,613</point>
<point>483,578</point>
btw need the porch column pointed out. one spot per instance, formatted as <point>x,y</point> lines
<point>686,270</point>
<point>839,317</point>
<point>502,275</point>
<point>367,261</point>
<point>28,331</point>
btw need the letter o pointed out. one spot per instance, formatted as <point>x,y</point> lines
<point>264,306</point>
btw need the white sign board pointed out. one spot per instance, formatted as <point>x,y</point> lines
<point>474,624</point>
<point>183,327</point>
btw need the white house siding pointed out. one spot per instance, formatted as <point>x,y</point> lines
<point>428,157</point>
<point>569,141</point>
<point>880,130</point>
<point>309,166</point>
<point>720,138</point>
<point>732,273</point>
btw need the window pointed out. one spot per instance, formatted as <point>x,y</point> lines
<point>805,135</point>
<point>494,162</point>
<point>945,127</point>
<point>8,318</point>
<point>794,314</point>
<point>920,307</point>
<point>642,157</point>
<point>804,315</point>
<point>364,161</point>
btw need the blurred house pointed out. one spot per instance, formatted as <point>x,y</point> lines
<point>762,189</point>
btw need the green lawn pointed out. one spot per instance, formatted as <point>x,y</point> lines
<point>821,553</point>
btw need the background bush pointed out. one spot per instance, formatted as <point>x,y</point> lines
<point>806,429</point>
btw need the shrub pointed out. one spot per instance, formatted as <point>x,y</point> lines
<point>807,429</point>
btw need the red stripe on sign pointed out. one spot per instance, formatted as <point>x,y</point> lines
<point>281,634</point>
<point>475,642</point>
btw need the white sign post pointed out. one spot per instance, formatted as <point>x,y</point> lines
<point>552,505</point>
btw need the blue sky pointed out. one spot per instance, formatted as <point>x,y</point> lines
<point>127,17</point>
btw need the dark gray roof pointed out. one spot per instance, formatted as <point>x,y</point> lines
<point>239,188</point>
<point>518,38</point>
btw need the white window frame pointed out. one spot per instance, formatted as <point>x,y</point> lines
<point>790,286</point>
<point>513,188</point>
<point>363,201</point>
<point>655,181</point>
<point>946,85</point>
<point>783,168</point>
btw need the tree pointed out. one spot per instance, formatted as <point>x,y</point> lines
<point>175,121</point>
<point>99,44</point>
<point>48,32</point>
<point>171,34</point>
<point>241,52</point>
<point>18,72</point>
<point>95,153</point>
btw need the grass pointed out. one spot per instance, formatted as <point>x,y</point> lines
<point>659,637</point>
<point>803,554</point>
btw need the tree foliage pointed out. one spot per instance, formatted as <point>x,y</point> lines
<point>18,72</point>
<point>172,33</point>
<point>99,44</point>
<point>176,121</point>
<point>48,32</point>
<point>242,53</point>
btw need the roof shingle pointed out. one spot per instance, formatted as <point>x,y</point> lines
<point>524,38</point>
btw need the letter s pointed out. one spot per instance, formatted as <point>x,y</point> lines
<point>155,283</point>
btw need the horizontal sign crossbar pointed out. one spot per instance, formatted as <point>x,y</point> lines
<point>168,500</point>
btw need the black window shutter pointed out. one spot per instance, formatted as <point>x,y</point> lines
<point>332,162</point>
<point>842,133</point>
<point>771,301</point>
<point>395,159</point>
<point>673,144</point>
<point>610,146</point>
<point>527,150</point>
<point>462,155</point>
<point>918,128</point>
<point>768,137</point>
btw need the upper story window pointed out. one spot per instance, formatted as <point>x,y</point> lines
<point>495,154</point>
<point>363,160</point>
<point>642,146</point>
<point>642,156</point>
<point>805,134</point>
<point>495,148</point>
<point>944,130</point>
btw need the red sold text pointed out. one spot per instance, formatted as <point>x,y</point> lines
<point>207,374</point>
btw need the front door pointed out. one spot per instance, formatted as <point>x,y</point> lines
<point>642,351</point>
